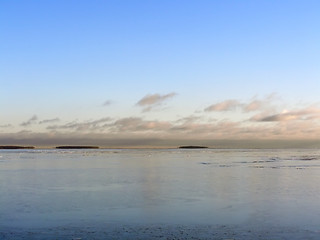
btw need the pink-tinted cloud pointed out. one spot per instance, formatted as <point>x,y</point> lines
<point>254,105</point>
<point>227,105</point>
<point>152,100</point>
<point>304,114</point>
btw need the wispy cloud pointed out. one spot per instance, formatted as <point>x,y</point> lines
<point>5,126</point>
<point>152,100</point>
<point>310,113</point>
<point>30,121</point>
<point>264,104</point>
<point>206,129</point>
<point>46,121</point>
<point>189,119</point>
<point>253,105</point>
<point>227,105</point>
<point>135,124</point>
<point>81,126</point>
<point>107,103</point>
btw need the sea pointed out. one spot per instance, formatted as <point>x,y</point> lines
<point>248,188</point>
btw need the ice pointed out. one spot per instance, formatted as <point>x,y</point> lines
<point>252,188</point>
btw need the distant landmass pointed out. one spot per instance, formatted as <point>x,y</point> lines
<point>193,147</point>
<point>16,147</point>
<point>76,147</point>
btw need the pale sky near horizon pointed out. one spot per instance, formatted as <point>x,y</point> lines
<point>160,69</point>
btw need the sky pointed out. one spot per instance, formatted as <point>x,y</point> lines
<point>147,73</point>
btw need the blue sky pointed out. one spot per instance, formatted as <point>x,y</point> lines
<point>61,61</point>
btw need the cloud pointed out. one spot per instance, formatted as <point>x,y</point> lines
<point>279,118</point>
<point>107,103</point>
<point>135,124</point>
<point>29,122</point>
<point>227,105</point>
<point>267,103</point>
<point>221,129</point>
<point>150,101</point>
<point>5,126</point>
<point>189,119</point>
<point>310,113</point>
<point>186,127</point>
<point>49,121</point>
<point>254,105</point>
<point>82,126</point>
<point>292,123</point>
<point>154,99</point>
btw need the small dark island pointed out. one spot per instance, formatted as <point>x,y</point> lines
<point>192,147</point>
<point>16,147</point>
<point>77,147</point>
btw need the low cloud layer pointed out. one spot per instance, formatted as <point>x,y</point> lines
<point>256,118</point>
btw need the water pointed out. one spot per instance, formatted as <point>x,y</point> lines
<point>51,188</point>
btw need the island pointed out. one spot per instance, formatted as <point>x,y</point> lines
<point>16,147</point>
<point>192,147</point>
<point>77,147</point>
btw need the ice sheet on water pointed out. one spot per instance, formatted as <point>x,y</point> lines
<point>140,186</point>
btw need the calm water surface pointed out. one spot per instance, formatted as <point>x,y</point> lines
<point>253,187</point>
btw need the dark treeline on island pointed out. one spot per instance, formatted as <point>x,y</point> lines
<point>192,147</point>
<point>85,147</point>
<point>77,147</point>
<point>16,147</point>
